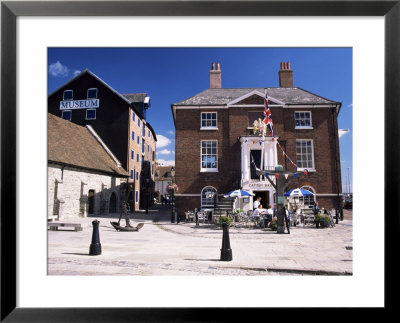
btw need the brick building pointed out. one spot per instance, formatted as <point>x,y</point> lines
<point>119,119</point>
<point>218,149</point>
<point>84,177</point>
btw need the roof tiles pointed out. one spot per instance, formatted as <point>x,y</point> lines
<point>71,144</point>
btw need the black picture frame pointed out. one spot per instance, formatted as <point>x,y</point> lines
<point>10,10</point>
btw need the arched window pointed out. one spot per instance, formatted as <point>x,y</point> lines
<point>208,197</point>
<point>308,200</point>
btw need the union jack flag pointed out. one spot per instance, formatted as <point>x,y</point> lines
<point>267,116</point>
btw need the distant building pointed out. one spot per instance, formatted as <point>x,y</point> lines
<point>162,179</point>
<point>119,119</point>
<point>84,177</point>
<point>218,147</point>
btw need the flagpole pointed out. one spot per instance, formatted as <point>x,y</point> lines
<point>263,138</point>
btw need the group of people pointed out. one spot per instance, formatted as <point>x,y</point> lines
<point>268,213</point>
<point>258,210</point>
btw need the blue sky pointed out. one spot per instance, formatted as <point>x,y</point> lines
<point>170,75</point>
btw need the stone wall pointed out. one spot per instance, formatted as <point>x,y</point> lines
<point>68,191</point>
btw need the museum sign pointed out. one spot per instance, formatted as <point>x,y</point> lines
<point>79,104</point>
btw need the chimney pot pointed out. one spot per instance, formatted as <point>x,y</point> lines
<point>215,76</point>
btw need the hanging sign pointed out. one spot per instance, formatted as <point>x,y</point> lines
<point>259,185</point>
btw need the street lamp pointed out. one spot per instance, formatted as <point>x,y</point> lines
<point>172,200</point>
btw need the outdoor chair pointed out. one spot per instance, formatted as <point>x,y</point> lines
<point>202,216</point>
<point>292,219</point>
<point>243,220</point>
<point>190,216</point>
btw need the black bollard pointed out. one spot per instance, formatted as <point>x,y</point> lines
<point>95,246</point>
<point>226,251</point>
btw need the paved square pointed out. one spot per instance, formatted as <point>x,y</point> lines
<point>165,248</point>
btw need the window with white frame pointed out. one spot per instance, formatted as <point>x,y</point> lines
<point>208,197</point>
<point>90,114</point>
<point>308,199</point>
<point>305,153</point>
<point>209,155</point>
<point>209,120</point>
<point>92,93</point>
<point>66,114</point>
<point>302,119</point>
<point>68,95</point>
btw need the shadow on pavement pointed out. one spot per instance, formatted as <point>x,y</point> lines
<point>75,254</point>
<point>203,259</point>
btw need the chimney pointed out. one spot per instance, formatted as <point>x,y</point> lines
<point>215,76</point>
<point>285,75</point>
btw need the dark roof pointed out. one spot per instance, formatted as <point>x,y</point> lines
<point>94,76</point>
<point>293,95</point>
<point>74,145</point>
<point>127,98</point>
<point>163,172</point>
<point>135,97</point>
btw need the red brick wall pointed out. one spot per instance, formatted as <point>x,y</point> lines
<point>232,123</point>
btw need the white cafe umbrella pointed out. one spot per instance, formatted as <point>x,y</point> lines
<point>238,193</point>
<point>298,192</point>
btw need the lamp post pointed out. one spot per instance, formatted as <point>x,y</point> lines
<point>172,198</point>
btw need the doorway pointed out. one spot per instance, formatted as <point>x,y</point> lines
<point>255,161</point>
<point>91,201</point>
<point>264,197</point>
<point>113,203</point>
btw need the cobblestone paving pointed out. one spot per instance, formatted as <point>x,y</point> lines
<point>163,248</point>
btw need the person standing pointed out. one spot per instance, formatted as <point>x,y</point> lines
<point>256,203</point>
<point>316,208</point>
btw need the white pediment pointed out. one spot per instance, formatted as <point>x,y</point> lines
<point>272,101</point>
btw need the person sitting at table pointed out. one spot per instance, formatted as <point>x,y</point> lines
<point>259,211</point>
<point>269,212</point>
